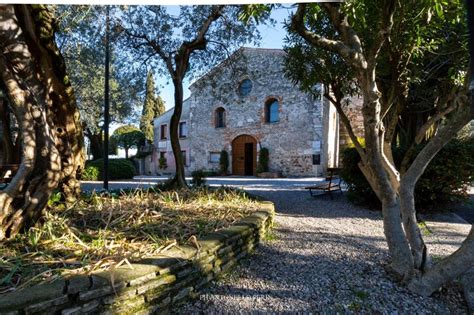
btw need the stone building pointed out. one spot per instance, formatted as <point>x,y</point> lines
<point>245,104</point>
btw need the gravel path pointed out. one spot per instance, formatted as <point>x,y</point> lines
<point>326,256</point>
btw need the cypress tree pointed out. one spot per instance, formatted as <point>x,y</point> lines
<point>152,107</point>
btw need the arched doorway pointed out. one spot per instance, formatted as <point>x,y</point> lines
<point>244,155</point>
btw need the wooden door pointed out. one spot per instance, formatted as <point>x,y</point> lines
<point>244,155</point>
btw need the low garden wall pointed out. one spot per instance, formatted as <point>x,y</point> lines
<point>154,284</point>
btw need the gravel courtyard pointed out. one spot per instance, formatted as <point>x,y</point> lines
<point>326,256</point>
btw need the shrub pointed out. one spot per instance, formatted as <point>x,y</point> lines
<point>358,188</point>
<point>162,163</point>
<point>262,165</point>
<point>118,169</point>
<point>208,173</point>
<point>224,163</point>
<point>446,178</point>
<point>199,178</point>
<point>90,172</point>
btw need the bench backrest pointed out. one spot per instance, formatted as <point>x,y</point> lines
<point>334,176</point>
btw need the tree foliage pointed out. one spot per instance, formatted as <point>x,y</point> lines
<point>81,37</point>
<point>127,137</point>
<point>152,107</point>
<point>391,47</point>
<point>445,179</point>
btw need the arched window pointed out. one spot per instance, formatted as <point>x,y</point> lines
<point>272,111</point>
<point>220,117</point>
<point>245,87</point>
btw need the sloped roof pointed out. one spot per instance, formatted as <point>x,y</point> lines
<point>166,116</point>
<point>234,55</point>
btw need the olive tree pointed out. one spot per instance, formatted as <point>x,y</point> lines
<point>34,80</point>
<point>184,45</point>
<point>363,29</point>
<point>81,33</point>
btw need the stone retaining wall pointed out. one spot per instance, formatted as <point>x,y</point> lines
<point>154,285</point>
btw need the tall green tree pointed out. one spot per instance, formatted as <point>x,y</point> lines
<point>34,81</point>
<point>81,37</point>
<point>182,45</point>
<point>372,40</point>
<point>127,137</point>
<point>152,107</point>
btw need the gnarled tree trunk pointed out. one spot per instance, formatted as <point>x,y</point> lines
<point>42,100</point>
<point>382,176</point>
<point>409,259</point>
<point>7,149</point>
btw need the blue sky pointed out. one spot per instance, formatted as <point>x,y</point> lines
<point>272,37</point>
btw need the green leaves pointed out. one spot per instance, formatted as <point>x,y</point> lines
<point>308,65</point>
<point>81,35</point>
<point>257,12</point>
<point>446,178</point>
<point>153,107</point>
<point>128,136</point>
<point>169,28</point>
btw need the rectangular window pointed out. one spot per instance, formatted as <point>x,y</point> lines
<point>183,154</point>
<point>214,157</point>
<point>316,159</point>
<point>183,129</point>
<point>220,117</point>
<point>163,132</point>
<point>162,155</point>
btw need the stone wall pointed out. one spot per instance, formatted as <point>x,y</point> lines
<point>154,285</point>
<point>290,141</point>
<point>353,111</point>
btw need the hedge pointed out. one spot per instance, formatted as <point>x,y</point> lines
<point>447,178</point>
<point>118,169</point>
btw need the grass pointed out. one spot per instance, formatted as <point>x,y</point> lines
<point>424,228</point>
<point>271,236</point>
<point>363,295</point>
<point>101,231</point>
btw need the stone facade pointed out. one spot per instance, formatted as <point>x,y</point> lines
<point>303,140</point>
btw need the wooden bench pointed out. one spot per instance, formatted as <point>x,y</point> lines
<point>332,183</point>
<point>7,172</point>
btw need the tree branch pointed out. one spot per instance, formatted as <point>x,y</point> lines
<point>200,39</point>
<point>385,27</point>
<point>339,20</point>
<point>431,121</point>
<point>297,25</point>
<point>424,128</point>
<point>460,119</point>
<point>156,47</point>
<point>345,120</point>
<point>198,43</point>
